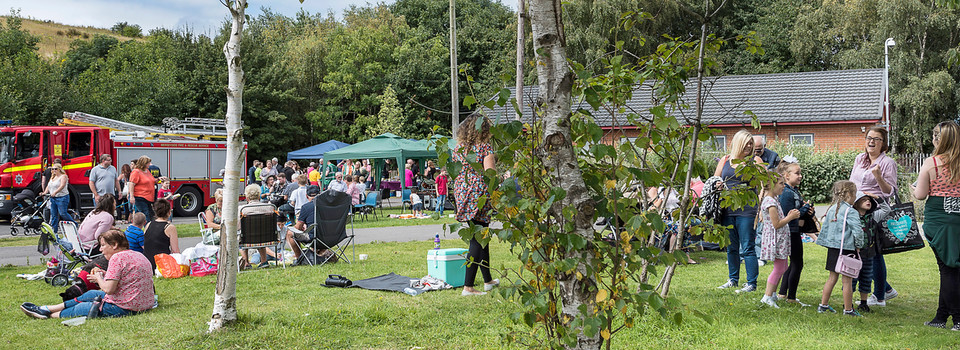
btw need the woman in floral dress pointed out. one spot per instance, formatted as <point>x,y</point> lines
<point>474,147</point>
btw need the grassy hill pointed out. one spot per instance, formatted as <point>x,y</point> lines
<point>55,38</point>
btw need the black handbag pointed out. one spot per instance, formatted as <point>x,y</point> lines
<point>899,231</point>
<point>337,281</point>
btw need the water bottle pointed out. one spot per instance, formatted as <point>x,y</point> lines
<point>411,291</point>
<point>436,242</point>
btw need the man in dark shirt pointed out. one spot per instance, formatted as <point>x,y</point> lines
<point>768,156</point>
<point>288,170</point>
<point>306,218</point>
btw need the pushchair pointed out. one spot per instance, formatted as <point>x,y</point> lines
<point>70,254</point>
<point>27,214</point>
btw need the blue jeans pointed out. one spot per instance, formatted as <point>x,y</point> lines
<point>743,237</point>
<point>880,285</point>
<point>80,306</point>
<point>58,211</point>
<point>866,276</point>
<point>141,205</point>
<point>441,199</point>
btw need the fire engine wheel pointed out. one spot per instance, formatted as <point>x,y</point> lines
<point>190,202</point>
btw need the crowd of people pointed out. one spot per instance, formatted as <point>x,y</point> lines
<point>850,225</point>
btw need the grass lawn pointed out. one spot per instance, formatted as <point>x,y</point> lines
<point>288,308</point>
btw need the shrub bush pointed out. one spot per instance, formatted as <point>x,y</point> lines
<point>820,169</point>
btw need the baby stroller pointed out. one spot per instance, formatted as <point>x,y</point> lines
<point>27,214</point>
<point>70,255</point>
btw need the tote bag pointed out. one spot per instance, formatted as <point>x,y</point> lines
<point>899,231</point>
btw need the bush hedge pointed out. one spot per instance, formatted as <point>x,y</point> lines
<point>820,169</point>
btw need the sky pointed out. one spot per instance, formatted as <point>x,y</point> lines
<point>200,16</point>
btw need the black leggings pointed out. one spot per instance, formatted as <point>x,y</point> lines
<point>478,256</point>
<point>791,278</point>
<point>949,293</point>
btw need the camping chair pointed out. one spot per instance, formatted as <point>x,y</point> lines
<point>207,235</point>
<point>332,211</point>
<point>258,228</point>
<point>369,206</point>
<point>405,200</point>
<point>71,233</point>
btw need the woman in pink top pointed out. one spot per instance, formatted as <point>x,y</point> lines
<point>97,222</point>
<point>408,175</point>
<point>875,173</point>
<point>352,189</point>
<point>126,286</point>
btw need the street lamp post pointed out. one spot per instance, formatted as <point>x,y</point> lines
<point>887,44</point>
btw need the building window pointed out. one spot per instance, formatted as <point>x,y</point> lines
<point>801,139</point>
<point>717,144</point>
<point>624,140</point>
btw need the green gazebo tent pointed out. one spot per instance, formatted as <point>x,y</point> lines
<point>387,146</point>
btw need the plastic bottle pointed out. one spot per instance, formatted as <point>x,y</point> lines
<point>436,242</point>
<point>411,291</point>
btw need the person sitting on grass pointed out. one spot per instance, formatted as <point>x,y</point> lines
<point>134,232</point>
<point>126,287</point>
<point>416,203</point>
<point>306,218</point>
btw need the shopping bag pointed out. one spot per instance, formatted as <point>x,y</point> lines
<point>168,266</point>
<point>204,266</point>
<point>899,231</point>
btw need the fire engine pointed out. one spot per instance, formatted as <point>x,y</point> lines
<point>191,153</point>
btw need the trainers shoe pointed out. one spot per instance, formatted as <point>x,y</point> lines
<point>797,301</point>
<point>466,293</point>
<point>769,301</point>
<point>825,308</point>
<point>729,284</point>
<point>936,324</point>
<point>891,294</point>
<point>863,308</point>
<point>852,313</point>
<point>489,286</point>
<point>34,311</point>
<point>872,301</point>
<point>956,327</point>
<point>761,262</point>
<point>747,288</point>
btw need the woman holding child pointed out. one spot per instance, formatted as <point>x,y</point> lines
<point>939,184</point>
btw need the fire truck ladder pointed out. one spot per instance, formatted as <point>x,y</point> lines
<point>196,128</point>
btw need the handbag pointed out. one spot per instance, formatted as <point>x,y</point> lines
<point>899,231</point>
<point>847,265</point>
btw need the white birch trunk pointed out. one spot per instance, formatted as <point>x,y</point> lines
<point>225,299</point>
<point>557,154</point>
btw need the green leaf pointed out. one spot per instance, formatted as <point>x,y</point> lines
<point>469,101</point>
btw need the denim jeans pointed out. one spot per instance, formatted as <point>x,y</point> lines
<point>743,237</point>
<point>880,285</point>
<point>80,306</point>
<point>866,276</point>
<point>58,211</point>
<point>141,205</point>
<point>441,199</point>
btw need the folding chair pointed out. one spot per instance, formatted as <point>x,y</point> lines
<point>332,211</point>
<point>368,206</point>
<point>404,200</point>
<point>71,232</point>
<point>258,228</point>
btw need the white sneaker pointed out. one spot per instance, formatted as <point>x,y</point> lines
<point>466,293</point>
<point>489,286</point>
<point>747,288</point>
<point>729,284</point>
<point>872,301</point>
<point>770,301</point>
<point>761,262</point>
<point>891,294</point>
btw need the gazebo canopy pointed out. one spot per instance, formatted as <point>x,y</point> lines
<point>387,146</point>
<point>316,151</point>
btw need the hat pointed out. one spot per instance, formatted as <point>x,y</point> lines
<point>313,190</point>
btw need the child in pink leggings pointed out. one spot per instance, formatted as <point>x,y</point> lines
<point>775,244</point>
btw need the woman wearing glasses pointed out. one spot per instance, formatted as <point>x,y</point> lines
<point>876,174</point>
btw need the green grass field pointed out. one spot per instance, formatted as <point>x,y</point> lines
<point>288,308</point>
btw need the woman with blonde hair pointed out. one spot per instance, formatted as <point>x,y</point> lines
<point>743,234</point>
<point>59,196</point>
<point>474,139</point>
<point>939,184</point>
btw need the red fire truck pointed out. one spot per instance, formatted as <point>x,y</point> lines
<point>193,166</point>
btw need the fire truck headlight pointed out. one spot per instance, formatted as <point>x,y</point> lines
<point>4,198</point>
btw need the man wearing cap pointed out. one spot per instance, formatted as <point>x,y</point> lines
<point>296,235</point>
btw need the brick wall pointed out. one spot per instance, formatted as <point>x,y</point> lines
<point>825,136</point>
